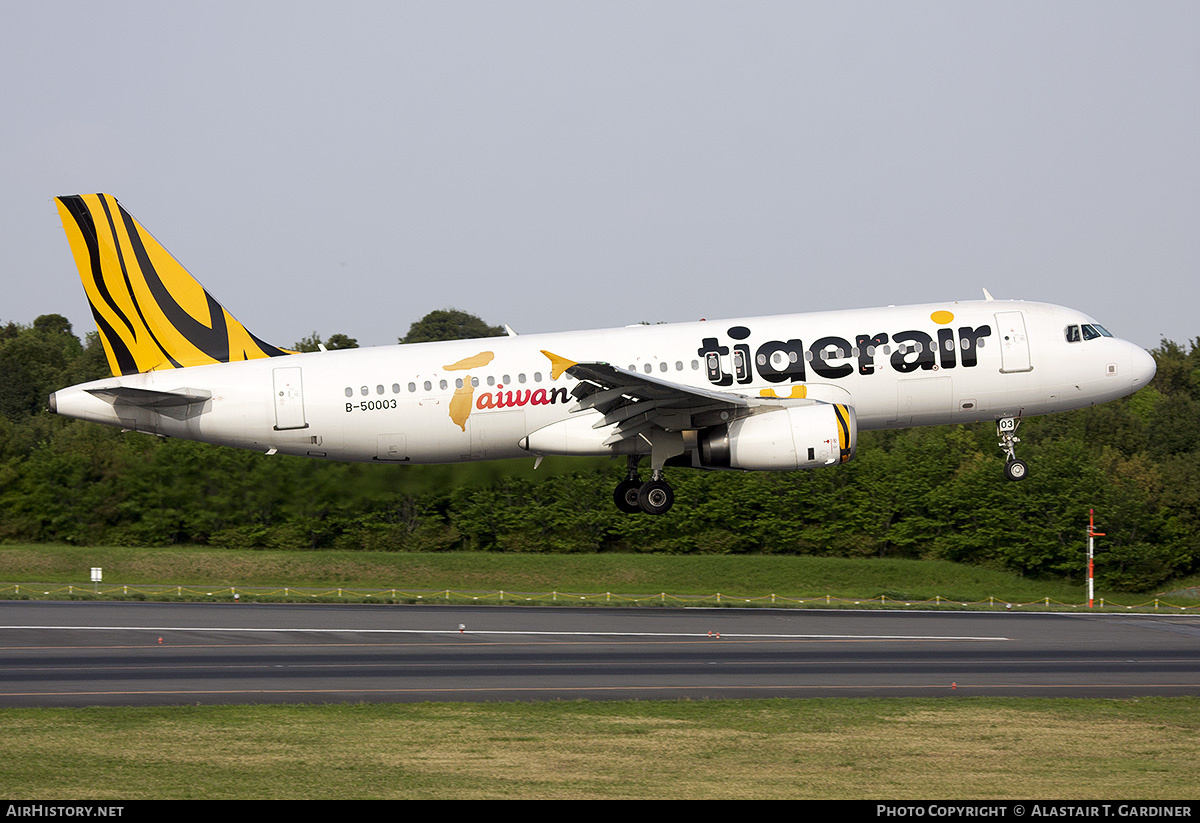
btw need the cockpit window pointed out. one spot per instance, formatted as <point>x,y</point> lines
<point>1087,331</point>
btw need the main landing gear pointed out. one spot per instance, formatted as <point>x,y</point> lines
<point>1006,428</point>
<point>632,495</point>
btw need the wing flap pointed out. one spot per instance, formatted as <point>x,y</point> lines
<point>635,403</point>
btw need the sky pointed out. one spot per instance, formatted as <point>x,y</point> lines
<point>348,167</point>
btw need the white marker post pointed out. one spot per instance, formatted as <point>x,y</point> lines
<point>1092,535</point>
<point>97,576</point>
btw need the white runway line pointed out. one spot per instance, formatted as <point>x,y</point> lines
<point>714,636</point>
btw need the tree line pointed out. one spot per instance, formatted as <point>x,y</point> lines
<point>933,492</point>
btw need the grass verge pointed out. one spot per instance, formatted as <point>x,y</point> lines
<point>732,575</point>
<point>971,748</point>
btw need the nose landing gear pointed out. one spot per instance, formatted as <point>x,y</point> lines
<point>1006,428</point>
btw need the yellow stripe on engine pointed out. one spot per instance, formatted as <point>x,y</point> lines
<point>842,416</point>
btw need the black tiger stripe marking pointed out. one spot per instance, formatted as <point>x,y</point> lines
<point>129,286</point>
<point>164,327</point>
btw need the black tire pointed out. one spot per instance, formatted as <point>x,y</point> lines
<point>625,495</point>
<point>1016,470</point>
<point>656,497</point>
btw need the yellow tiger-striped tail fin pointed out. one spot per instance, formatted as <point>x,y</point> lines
<point>150,312</point>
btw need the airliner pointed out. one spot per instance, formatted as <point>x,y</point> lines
<point>774,393</point>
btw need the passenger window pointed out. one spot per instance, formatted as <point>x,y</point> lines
<point>442,384</point>
<point>396,388</point>
<point>412,387</point>
<point>537,377</point>
<point>647,367</point>
<point>521,377</point>
<point>458,383</point>
<point>428,386</point>
<point>379,389</point>
<point>364,391</point>
<point>491,380</point>
<point>349,392</point>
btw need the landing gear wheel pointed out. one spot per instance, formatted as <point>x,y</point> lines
<point>625,495</point>
<point>656,497</point>
<point>1016,470</point>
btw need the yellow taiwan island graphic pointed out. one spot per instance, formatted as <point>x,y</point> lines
<point>460,403</point>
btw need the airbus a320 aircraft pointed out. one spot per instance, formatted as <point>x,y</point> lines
<point>766,393</point>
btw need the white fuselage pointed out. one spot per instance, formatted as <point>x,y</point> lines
<point>478,399</point>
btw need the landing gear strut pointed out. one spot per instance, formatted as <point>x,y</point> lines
<point>1006,428</point>
<point>632,495</point>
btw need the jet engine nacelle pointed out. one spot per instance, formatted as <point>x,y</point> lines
<point>796,437</point>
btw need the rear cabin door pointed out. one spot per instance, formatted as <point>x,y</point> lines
<point>289,399</point>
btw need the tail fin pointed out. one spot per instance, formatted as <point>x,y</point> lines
<point>150,312</point>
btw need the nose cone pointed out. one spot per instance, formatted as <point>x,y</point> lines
<point>1142,367</point>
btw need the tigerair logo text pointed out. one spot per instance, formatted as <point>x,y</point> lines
<point>780,361</point>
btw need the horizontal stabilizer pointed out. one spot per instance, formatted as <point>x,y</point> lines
<point>149,398</point>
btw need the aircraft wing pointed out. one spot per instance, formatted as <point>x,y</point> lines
<point>637,402</point>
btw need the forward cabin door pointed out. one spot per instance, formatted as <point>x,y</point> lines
<point>1014,343</point>
<point>289,399</point>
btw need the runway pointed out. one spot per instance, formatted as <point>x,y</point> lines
<point>81,654</point>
